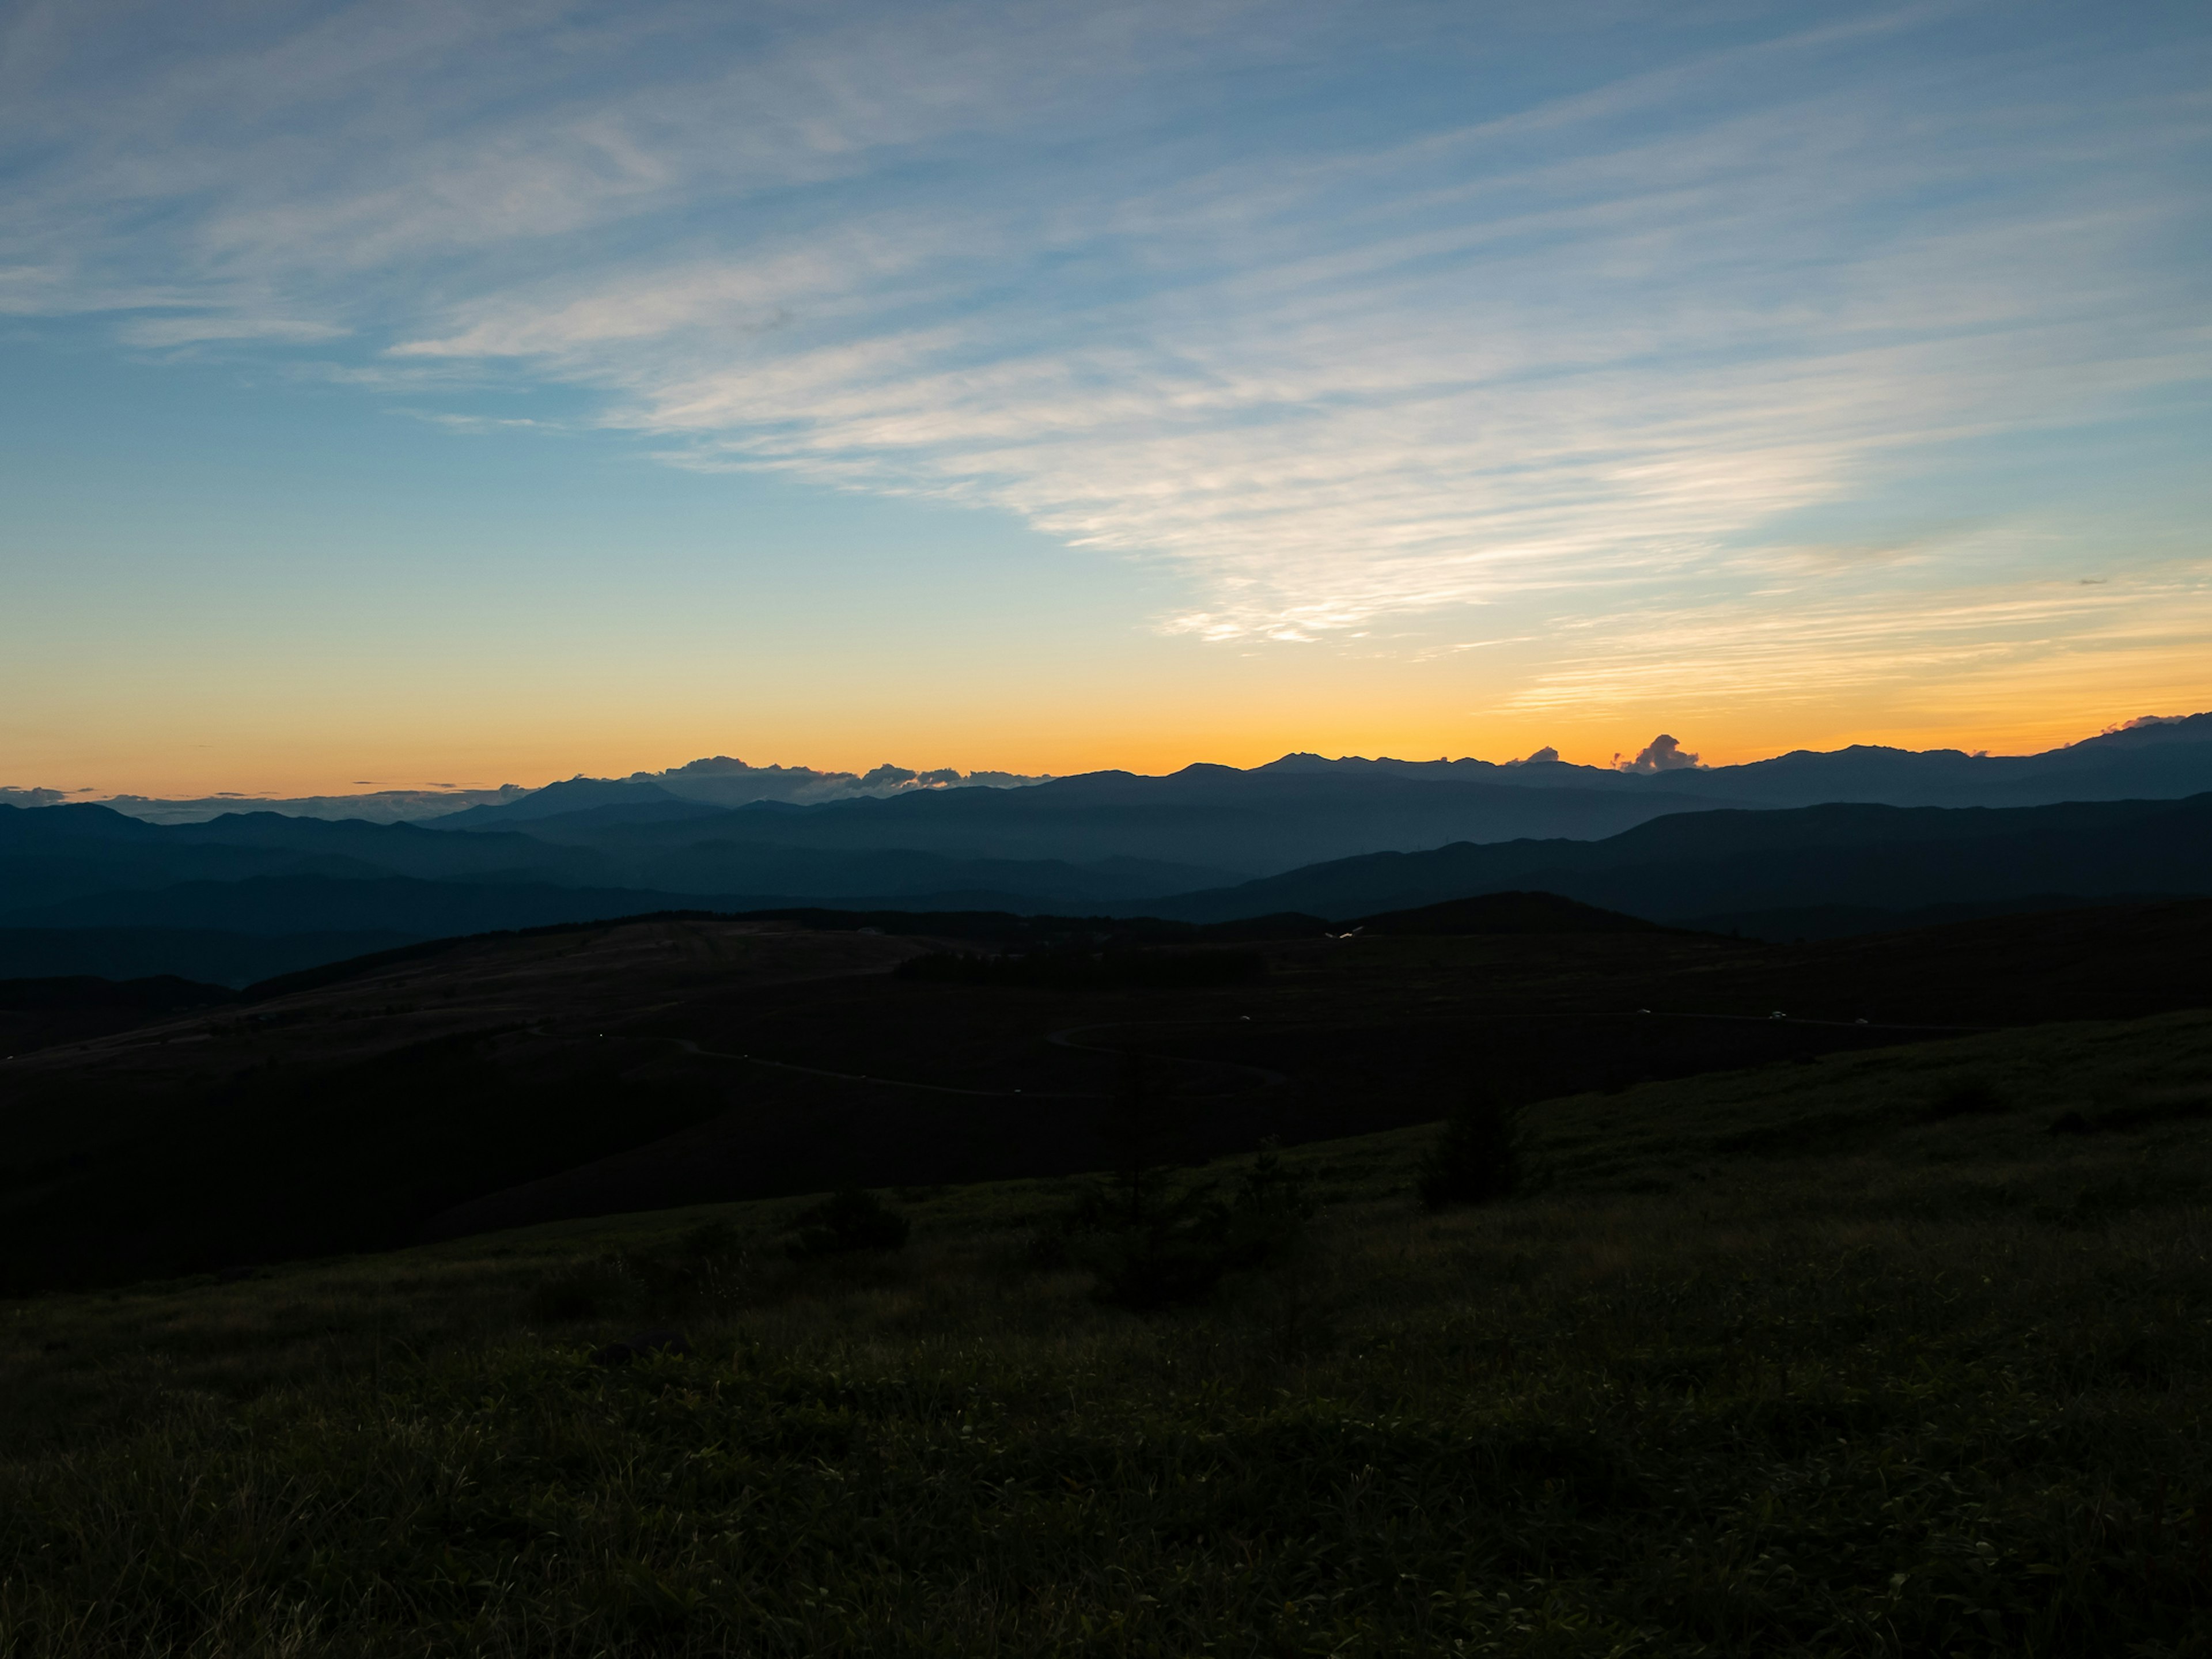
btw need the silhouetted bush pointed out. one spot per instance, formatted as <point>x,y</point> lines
<point>696,1265</point>
<point>709,1241</point>
<point>1271,1208</point>
<point>584,1291</point>
<point>1148,1270</point>
<point>1971,1096</point>
<point>850,1218</point>
<point>1152,1248</point>
<point>1476,1158</point>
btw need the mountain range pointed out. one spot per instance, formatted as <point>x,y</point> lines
<point>1804,844</point>
<point>718,781</point>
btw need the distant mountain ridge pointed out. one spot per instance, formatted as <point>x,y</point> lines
<point>717,781</point>
<point>1304,809</point>
<point>2166,757</point>
<point>1840,841</point>
<point>2115,764</point>
<point>2112,765</point>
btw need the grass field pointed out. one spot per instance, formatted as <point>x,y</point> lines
<point>1897,1353</point>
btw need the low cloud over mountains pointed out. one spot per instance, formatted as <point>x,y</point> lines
<point>1661,754</point>
<point>723,781</point>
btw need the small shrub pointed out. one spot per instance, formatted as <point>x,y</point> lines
<point>1475,1159</point>
<point>1267,1218</point>
<point>850,1218</point>
<point>1179,1250</point>
<point>700,1264</point>
<point>580,1293</point>
<point>1970,1096</point>
<point>1147,1270</point>
<point>709,1241</point>
<point>1144,1130</point>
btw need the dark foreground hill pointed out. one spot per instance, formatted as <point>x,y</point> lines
<point>1853,1357</point>
<point>496,1081</point>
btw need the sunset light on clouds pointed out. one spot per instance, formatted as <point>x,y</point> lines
<point>509,391</point>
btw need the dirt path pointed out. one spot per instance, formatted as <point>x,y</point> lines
<point>691,1047</point>
<point>1062,1039</point>
<point>1065,1039</point>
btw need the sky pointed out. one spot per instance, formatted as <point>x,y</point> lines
<point>401,393</point>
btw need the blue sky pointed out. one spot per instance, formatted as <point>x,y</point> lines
<point>511,390</point>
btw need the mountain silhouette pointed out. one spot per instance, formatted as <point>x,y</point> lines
<point>1733,848</point>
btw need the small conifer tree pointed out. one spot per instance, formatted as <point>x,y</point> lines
<point>1140,1129</point>
<point>1477,1158</point>
<point>850,1218</point>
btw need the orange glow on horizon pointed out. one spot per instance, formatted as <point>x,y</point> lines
<point>264,765</point>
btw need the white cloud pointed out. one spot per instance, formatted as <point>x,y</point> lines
<point>1567,346</point>
<point>2010,640</point>
<point>478,423</point>
<point>1663,754</point>
<point>194,331</point>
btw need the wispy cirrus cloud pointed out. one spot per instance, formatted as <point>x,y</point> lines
<point>478,423</point>
<point>1810,646</point>
<point>198,329</point>
<point>1346,318</point>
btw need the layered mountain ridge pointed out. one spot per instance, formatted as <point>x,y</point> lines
<point>1846,841</point>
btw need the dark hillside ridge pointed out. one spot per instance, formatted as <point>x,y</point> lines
<point>160,993</point>
<point>1693,865</point>
<point>388,904</point>
<point>1539,1018</point>
<point>1822,922</point>
<point>88,867</point>
<point>583,1070</point>
<point>212,955</point>
<point>37,1013</point>
<point>1503,913</point>
<point>67,870</point>
<point>997,930</point>
<point>1012,932</point>
<point>54,855</point>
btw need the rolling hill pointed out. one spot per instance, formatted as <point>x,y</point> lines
<point>512,1079</point>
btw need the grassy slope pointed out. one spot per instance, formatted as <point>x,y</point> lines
<point>1779,1361</point>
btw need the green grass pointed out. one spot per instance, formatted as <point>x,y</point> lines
<point>1853,1358</point>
